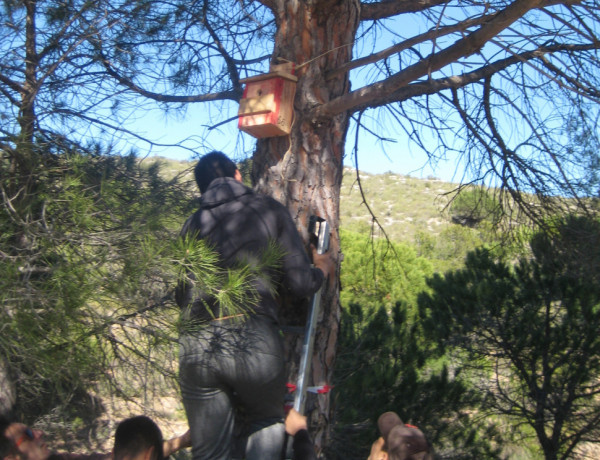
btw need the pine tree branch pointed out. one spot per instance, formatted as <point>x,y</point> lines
<point>399,47</point>
<point>459,81</point>
<point>234,94</point>
<point>378,93</point>
<point>388,8</point>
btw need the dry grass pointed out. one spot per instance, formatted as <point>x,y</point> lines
<point>403,205</point>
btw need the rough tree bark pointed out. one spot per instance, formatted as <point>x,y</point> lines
<point>304,170</point>
<point>27,112</point>
<point>23,161</point>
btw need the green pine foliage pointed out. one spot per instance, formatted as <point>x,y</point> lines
<point>75,239</point>
<point>448,249</point>
<point>526,335</point>
<point>90,257</point>
<point>474,206</point>
<point>379,272</point>
<point>384,363</point>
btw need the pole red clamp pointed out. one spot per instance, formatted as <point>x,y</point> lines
<point>320,389</point>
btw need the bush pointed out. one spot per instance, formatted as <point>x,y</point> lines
<point>385,364</point>
<point>82,238</point>
<point>528,333</point>
<point>473,206</point>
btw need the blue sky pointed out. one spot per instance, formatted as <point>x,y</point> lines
<point>400,157</point>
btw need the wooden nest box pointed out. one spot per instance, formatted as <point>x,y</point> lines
<point>267,106</point>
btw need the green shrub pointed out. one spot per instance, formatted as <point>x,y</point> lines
<point>385,364</point>
<point>475,205</point>
<point>82,243</point>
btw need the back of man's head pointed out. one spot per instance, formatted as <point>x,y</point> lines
<point>138,438</point>
<point>212,166</point>
<point>402,442</point>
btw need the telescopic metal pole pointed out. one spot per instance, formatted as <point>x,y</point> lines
<point>320,228</point>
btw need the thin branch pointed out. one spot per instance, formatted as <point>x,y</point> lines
<point>456,81</point>
<point>231,67</point>
<point>578,86</point>
<point>374,218</point>
<point>472,43</point>
<point>389,8</point>
<point>399,47</point>
<point>118,128</point>
<point>234,94</point>
<point>211,127</point>
<point>11,84</point>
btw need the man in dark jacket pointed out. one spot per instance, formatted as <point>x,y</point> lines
<point>235,363</point>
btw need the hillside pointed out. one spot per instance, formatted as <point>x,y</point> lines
<point>404,206</point>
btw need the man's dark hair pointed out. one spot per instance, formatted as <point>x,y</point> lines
<point>6,445</point>
<point>136,435</point>
<point>212,166</point>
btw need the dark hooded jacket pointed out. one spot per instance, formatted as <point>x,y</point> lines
<point>241,224</point>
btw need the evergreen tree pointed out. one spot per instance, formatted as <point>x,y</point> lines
<point>89,261</point>
<point>384,361</point>
<point>528,334</point>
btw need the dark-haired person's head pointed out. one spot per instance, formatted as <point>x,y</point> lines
<point>138,438</point>
<point>19,442</point>
<point>399,441</point>
<point>212,166</point>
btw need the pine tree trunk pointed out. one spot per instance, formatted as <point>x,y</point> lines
<point>23,158</point>
<point>29,92</point>
<point>304,170</point>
